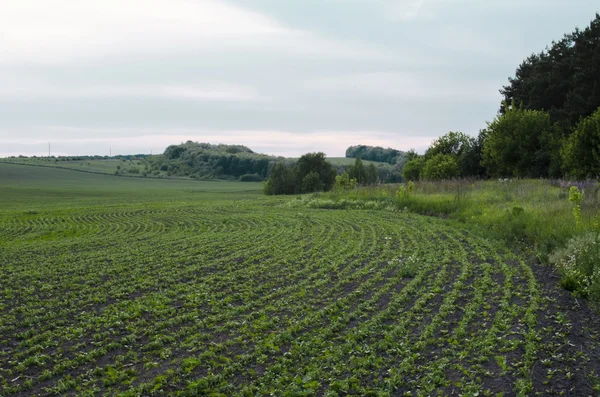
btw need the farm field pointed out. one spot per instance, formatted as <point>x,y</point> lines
<point>132,286</point>
<point>104,166</point>
<point>350,161</point>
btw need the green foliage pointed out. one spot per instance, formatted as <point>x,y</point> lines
<point>357,171</point>
<point>207,161</point>
<point>344,183</point>
<point>564,79</point>
<point>581,152</point>
<point>412,169</point>
<point>309,174</point>
<point>452,143</point>
<point>404,193</point>
<point>440,166</point>
<point>576,197</point>
<point>376,153</point>
<point>282,180</point>
<point>522,143</point>
<point>195,288</point>
<point>579,264</point>
<point>311,182</point>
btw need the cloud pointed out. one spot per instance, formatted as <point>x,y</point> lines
<point>406,10</point>
<point>405,85</point>
<point>61,31</point>
<point>281,143</point>
<point>36,88</point>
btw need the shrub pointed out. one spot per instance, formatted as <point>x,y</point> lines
<point>412,169</point>
<point>311,182</point>
<point>440,166</point>
<point>579,264</point>
<point>581,158</point>
<point>343,182</point>
<point>522,143</point>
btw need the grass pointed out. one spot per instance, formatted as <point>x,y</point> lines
<point>132,286</point>
<point>535,212</point>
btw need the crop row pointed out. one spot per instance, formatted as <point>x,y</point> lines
<point>252,299</point>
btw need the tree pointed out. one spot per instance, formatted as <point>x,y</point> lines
<point>357,171</point>
<point>412,169</point>
<point>343,182</point>
<point>581,152</point>
<point>522,143</point>
<point>465,150</point>
<point>375,153</point>
<point>563,80</point>
<point>453,143</point>
<point>469,161</point>
<point>440,166</point>
<point>282,180</point>
<point>370,174</point>
<point>311,183</point>
<point>315,162</point>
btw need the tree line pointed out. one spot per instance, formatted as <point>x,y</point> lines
<point>208,161</point>
<point>548,124</point>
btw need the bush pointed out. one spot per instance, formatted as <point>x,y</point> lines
<point>522,143</point>
<point>581,158</point>
<point>440,166</point>
<point>412,169</point>
<point>311,182</point>
<point>251,178</point>
<point>579,264</point>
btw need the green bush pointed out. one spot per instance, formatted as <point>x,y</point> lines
<point>440,166</point>
<point>412,169</point>
<point>579,264</point>
<point>311,182</point>
<point>581,158</point>
<point>522,143</point>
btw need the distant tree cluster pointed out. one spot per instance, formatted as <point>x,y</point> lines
<point>311,173</point>
<point>363,175</point>
<point>375,153</point>
<point>207,161</point>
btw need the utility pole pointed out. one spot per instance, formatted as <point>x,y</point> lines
<point>110,151</point>
<point>48,149</point>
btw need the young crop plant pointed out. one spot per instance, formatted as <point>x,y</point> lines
<point>237,294</point>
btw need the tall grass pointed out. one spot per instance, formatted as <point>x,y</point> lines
<point>535,213</point>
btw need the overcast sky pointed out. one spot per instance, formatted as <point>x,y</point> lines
<point>283,77</point>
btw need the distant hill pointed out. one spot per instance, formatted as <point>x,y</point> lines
<point>208,161</point>
<point>196,160</point>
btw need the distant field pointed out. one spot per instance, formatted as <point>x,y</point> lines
<point>137,287</point>
<point>29,187</point>
<point>108,166</point>
<point>350,161</point>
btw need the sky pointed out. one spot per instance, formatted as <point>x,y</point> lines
<point>283,77</point>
